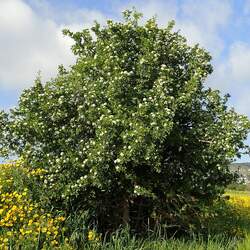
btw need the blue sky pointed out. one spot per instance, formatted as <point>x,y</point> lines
<point>31,39</point>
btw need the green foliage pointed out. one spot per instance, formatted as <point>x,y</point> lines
<point>223,218</point>
<point>130,121</point>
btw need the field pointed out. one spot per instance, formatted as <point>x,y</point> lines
<point>25,225</point>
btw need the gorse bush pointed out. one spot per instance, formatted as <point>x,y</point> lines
<point>23,223</point>
<point>129,130</point>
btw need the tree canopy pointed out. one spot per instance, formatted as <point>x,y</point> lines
<point>131,119</point>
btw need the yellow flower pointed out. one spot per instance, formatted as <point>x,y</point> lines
<point>44,230</point>
<point>9,233</point>
<point>54,242</point>
<point>91,235</point>
<point>22,231</point>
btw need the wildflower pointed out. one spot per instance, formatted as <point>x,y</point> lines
<point>91,235</point>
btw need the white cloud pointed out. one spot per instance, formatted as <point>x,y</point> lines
<point>239,62</point>
<point>232,75</point>
<point>208,14</point>
<point>29,43</point>
<point>242,102</point>
<point>202,21</point>
<point>234,71</point>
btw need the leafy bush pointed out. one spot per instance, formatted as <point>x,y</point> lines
<point>130,123</point>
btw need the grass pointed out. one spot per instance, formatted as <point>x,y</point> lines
<point>121,241</point>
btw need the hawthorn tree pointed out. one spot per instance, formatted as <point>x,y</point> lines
<point>130,122</point>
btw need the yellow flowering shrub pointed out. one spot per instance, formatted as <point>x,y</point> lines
<point>240,200</point>
<point>21,219</point>
<point>9,171</point>
<point>6,178</point>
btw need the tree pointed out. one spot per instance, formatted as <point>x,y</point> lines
<point>131,122</point>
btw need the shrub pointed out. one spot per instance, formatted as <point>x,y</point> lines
<point>130,123</point>
<point>22,221</point>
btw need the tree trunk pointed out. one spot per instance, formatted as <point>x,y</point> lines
<point>125,211</point>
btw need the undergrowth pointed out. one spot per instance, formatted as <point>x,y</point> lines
<point>25,223</point>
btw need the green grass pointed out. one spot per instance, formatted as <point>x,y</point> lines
<point>121,241</point>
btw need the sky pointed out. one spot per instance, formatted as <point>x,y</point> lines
<point>31,39</point>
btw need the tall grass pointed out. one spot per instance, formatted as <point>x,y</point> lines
<point>123,240</point>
